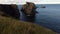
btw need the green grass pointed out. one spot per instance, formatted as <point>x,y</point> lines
<point>9,25</point>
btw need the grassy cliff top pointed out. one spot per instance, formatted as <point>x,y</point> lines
<point>9,25</point>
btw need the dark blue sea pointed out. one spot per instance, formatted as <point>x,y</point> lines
<point>48,17</point>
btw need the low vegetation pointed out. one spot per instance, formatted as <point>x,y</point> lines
<point>9,25</point>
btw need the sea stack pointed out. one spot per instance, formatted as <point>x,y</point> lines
<point>29,9</point>
<point>9,10</point>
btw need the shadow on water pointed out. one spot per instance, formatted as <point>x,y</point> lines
<point>30,19</point>
<point>27,18</point>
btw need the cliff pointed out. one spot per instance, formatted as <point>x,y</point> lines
<point>9,25</point>
<point>9,10</point>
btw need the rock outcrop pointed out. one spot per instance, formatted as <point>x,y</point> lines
<point>29,9</point>
<point>9,10</point>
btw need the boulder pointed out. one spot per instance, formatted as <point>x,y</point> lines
<point>9,10</point>
<point>29,9</point>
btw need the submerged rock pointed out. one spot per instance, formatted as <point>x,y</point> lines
<point>29,9</point>
<point>10,10</point>
<point>43,7</point>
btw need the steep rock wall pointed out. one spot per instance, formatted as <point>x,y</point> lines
<point>9,10</point>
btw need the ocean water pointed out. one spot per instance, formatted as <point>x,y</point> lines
<point>48,17</point>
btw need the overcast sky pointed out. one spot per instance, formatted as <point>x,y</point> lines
<point>35,1</point>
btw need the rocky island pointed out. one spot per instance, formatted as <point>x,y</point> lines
<point>29,9</point>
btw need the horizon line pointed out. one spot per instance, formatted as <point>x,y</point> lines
<point>34,2</point>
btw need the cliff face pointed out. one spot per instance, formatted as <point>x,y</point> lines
<point>29,8</point>
<point>9,10</point>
